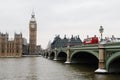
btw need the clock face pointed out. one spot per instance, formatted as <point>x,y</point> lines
<point>32,26</point>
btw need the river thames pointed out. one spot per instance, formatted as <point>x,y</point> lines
<point>39,68</point>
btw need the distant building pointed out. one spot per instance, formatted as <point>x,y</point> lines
<point>19,46</point>
<point>25,47</point>
<point>10,48</point>
<point>59,42</point>
<point>49,45</point>
<point>38,49</point>
<point>112,39</point>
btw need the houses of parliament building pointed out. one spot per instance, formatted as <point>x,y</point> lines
<point>19,46</point>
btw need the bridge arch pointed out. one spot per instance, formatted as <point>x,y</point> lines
<point>43,54</point>
<point>52,55</point>
<point>61,56</point>
<point>47,54</point>
<point>113,63</point>
<point>81,56</point>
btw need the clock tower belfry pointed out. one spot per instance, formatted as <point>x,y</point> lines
<point>32,35</point>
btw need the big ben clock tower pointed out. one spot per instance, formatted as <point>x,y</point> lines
<point>32,35</point>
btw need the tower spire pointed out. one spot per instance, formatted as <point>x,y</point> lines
<point>33,16</point>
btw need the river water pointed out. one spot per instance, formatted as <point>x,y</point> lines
<point>39,68</point>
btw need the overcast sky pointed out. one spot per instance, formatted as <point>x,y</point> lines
<point>60,17</point>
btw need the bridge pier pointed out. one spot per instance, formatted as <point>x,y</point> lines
<point>55,57</point>
<point>101,64</point>
<point>68,55</point>
<point>48,55</point>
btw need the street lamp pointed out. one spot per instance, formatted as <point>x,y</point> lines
<point>101,31</point>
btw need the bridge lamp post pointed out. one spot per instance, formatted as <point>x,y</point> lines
<point>101,32</point>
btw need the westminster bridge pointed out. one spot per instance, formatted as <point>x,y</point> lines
<point>107,55</point>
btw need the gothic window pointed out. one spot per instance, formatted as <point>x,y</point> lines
<point>3,48</point>
<point>17,49</point>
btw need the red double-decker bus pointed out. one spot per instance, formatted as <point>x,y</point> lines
<point>91,40</point>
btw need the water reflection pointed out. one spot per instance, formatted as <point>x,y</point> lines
<point>38,68</point>
<point>107,76</point>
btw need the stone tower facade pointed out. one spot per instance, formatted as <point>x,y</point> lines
<point>32,35</point>
<point>10,48</point>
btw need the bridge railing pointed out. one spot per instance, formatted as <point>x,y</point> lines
<point>91,46</point>
<point>112,44</point>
